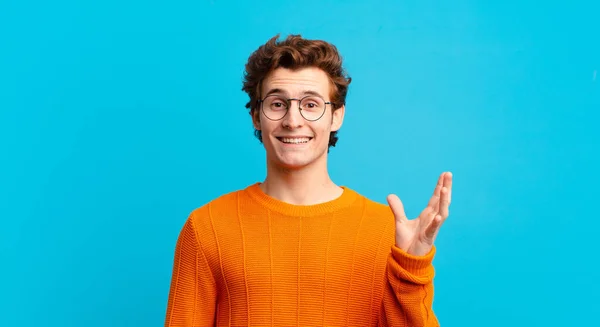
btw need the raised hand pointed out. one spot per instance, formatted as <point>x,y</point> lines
<point>416,236</point>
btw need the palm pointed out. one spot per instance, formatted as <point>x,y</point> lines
<point>416,236</point>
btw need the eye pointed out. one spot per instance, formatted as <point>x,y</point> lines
<point>312,104</point>
<point>277,104</point>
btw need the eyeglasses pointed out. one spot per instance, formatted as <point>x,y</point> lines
<point>311,107</point>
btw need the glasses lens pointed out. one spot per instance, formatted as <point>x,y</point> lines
<point>312,108</point>
<point>274,107</point>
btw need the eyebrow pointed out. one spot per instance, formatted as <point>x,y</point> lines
<point>306,92</point>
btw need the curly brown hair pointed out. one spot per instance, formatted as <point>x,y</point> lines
<point>295,52</point>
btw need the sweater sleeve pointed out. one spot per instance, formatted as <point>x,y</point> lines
<point>408,292</point>
<point>192,295</point>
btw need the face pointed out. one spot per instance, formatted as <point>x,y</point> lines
<point>294,142</point>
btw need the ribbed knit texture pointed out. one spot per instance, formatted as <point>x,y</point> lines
<point>246,259</point>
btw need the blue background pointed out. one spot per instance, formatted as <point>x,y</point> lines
<point>119,118</point>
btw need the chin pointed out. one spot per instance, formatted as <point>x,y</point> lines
<point>293,163</point>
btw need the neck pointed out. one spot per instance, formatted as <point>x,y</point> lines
<point>305,186</point>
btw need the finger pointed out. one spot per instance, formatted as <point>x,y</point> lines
<point>426,217</point>
<point>448,184</point>
<point>433,206</point>
<point>441,179</point>
<point>438,186</point>
<point>434,201</point>
<point>397,208</point>
<point>444,202</point>
<point>432,229</point>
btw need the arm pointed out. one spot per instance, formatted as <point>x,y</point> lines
<point>192,295</point>
<point>408,292</point>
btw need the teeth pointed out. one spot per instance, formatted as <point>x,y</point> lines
<point>295,140</point>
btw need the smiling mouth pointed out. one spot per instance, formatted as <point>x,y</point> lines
<point>294,140</point>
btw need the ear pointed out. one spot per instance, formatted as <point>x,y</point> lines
<point>337,118</point>
<point>256,119</point>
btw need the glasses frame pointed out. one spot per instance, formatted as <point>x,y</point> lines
<point>289,105</point>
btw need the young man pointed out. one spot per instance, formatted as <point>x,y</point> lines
<point>297,249</point>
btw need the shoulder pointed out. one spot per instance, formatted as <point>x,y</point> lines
<point>378,219</point>
<point>374,208</point>
<point>216,210</point>
<point>224,200</point>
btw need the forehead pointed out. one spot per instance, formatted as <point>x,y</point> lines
<point>296,82</point>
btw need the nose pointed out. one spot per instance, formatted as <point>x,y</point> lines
<point>293,119</point>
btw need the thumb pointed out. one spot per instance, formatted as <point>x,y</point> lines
<point>397,207</point>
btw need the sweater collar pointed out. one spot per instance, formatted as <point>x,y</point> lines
<point>347,198</point>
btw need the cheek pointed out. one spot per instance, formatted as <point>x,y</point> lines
<point>267,130</point>
<point>267,126</point>
<point>323,132</point>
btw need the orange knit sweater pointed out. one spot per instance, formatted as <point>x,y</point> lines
<point>247,259</point>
